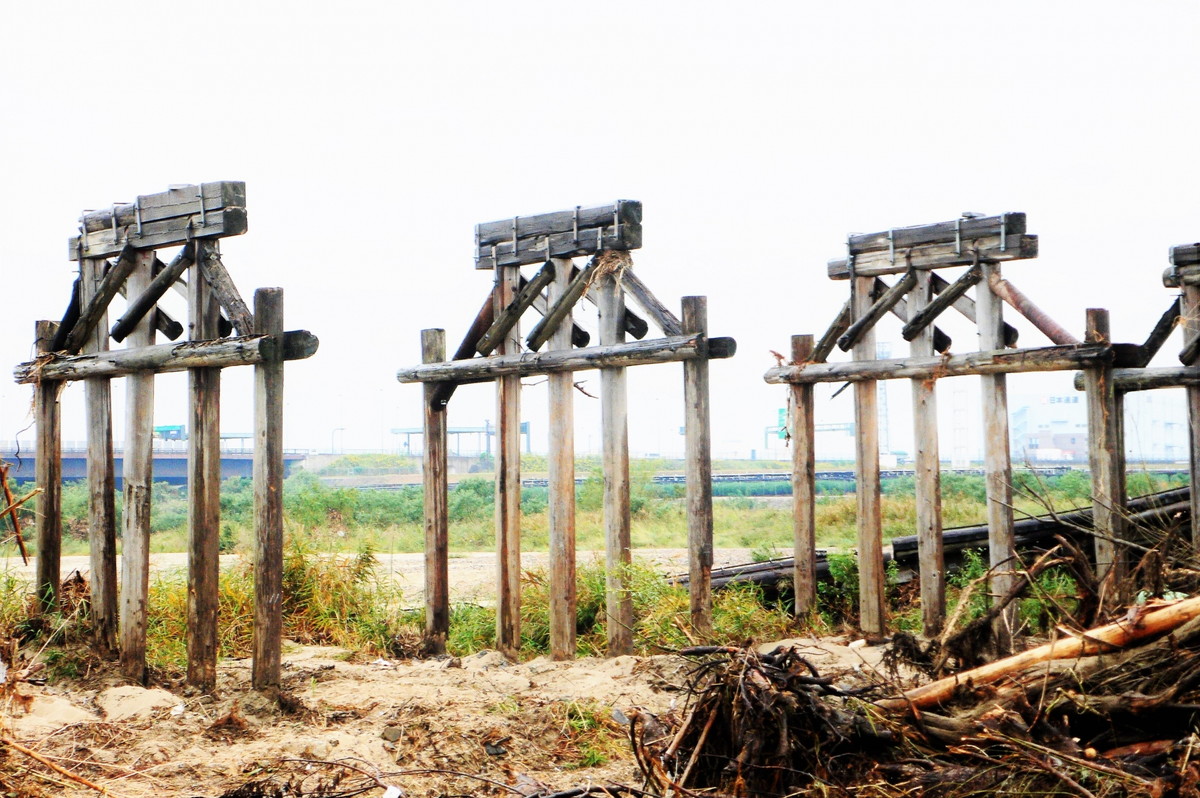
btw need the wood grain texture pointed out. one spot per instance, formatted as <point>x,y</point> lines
<point>437,509</point>
<point>924,317</point>
<point>561,468</point>
<point>927,468</point>
<point>698,464</point>
<point>102,515</point>
<point>965,305</point>
<point>965,231</point>
<point>204,489</point>
<point>866,471</point>
<point>162,282</point>
<point>660,313</point>
<point>138,476</point>
<point>48,474</point>
<point>1021,303</point>
<point>941,341</point>
<point>508,480</point>
<point>614,433</point>
<point>935,256</point>
<point>97,305</point>
<point>561,234</point>
<point>512,314</point>
<point>1107,464</point>
<point>268,498</point>
<point>804,498</point>
<point>879,308</point>
<point>560,307</point>
<point>997,460</point>
<point>1190,321</point>
<point>223,288</point>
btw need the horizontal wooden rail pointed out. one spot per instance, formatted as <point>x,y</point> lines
<point>636,353</point>
<point>990,249</point>
<point>245,351</point>
<point>1143,379</point>
<point>1004,361</point>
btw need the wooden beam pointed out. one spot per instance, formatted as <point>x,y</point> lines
<point>560,308</point>
<point>159,286</point>
<point>829,340</point>
<point>138,476</point>
<point>212,270</point>
<point>436,510</point>
<point>1025,306</point>
<point>866,473</point>
<point>1162,330</point>
<point>660,313</point>
<point>204,483</point>
<point>1150,379</point>
<point>1004,361</point>
<point>941,341</point>
<point>966,306</point>
<point>614,434</point>
<point>804,499</point>
<point>508,478</point>
<point>561,477</point>
<point>698,462</point>
<point>875,312</point>
<point>562,234</point>
<point>941,302</point>
<point>165,324</point>
<point>173,217</point>
<point>1185,255</point>
<point>512,314</point>
<point>466,350</point>
<point>927,471</point>
<point>963,232</point>
<point>48,474</point>
<point>1190,321</point>
<point>70,318</point>
<point>936,256</point>
<point>579,336</point>
<point>102,514</point>
<point>1107,464</point>
<point>222,353</point>
<point>634,324</point>
<point>98,304</point>
<point>997,463</point>
<point>635,353</point>
<point>265,670</point>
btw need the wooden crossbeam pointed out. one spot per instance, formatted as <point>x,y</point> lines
<point>1021,303</point>
<point>562,234</point>
<point>966,306</point>
<point>99,302</point>
<point>1003,361</point>
<point>941,302</point>
<point>244,351</point>
<point>881,306</point>
<point>166,324</point>
<point>562,308</point>
<point>526,364</point>
<point>1162,330</point>
<point>829,340</point>
<point>1185,255</point>
<point>69,320</point>
<point>161,283</point>
<point>579,336</point>
<point>941,341</point>
<point>660,313</point>
<point>1144,379</point>
<point>633,324</point>
<point>988,249</point>
<point>962,232</point>
<point>512,314</point>
<point>212,270</point>
<point>171,218</point>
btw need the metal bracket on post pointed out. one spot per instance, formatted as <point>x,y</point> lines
<point>892,246</point>
<point>574,229</point>
<point>137,213</point>
<point>514,228</point>
<point>203,212</point>
<point>958,236</point>
<point>849,255</point>
<point>1003,231</point>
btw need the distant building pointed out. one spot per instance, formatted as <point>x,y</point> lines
<point>1054,428</point>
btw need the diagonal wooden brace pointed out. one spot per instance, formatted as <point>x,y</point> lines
<point>162,283</point>
<point>212,270</point>
<point>559,311</point>
<point>660,313</point>
<point>1036,316</point>
<point>108,288</point>
<point>966,306</point>
<point>512,314</point>
<point>829,340</point>
<point>947,297</point>
<point>1158,336</point>
<point>876,311</point>
<point>941,341</point>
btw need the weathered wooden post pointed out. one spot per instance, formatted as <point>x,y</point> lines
<point>1105,458</point>
<point>508,477</point>
<point>804,493</point>
<point>1190,320</point>
<point>928,470</point>
<point>866,473</point>
<point>997,459</point>
<point>268,493</point>
<point>48,473</point>
<point>437,514</point>
<point>561,465</point>
<point>698,454</point>
<point>614,431</point>
<point>101,478</point>
<point>138,475</point>
<point>204,487</point>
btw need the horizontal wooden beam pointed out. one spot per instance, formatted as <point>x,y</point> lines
<point>1005,361</point>
<point>173,217</point>
<point>1142,379</point>
<point>637,353</point>
<point>244,351</point>
<point>961,232</point>
<point>1185,255</point>
<point>936,256</point>
<point>562,234</point>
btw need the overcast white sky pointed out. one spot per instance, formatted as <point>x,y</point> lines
<point>373,136</point>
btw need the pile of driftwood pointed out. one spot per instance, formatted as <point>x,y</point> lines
<point>1113,711</point>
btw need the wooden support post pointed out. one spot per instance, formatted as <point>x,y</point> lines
<point>268,497</point>
<point>138,475</point>
<point>561,466</point>
<point>508,478</point>
<point>204,487</point>
<point>1190,320</point>
<point>49,477</point>
<point>928,470</point>
<point>437,513</point>
<point>997,458</point>
<point>102,515</point>
<point>1104,459</point>
<point>698,457</point>
<point>804,498</point>
<point>614,425</point>
<point>866,470</point>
